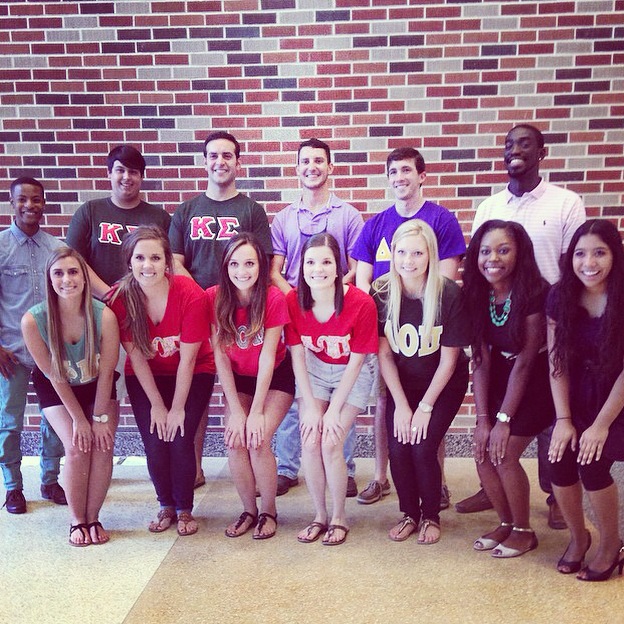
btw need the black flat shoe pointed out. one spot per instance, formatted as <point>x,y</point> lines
<point>573,566</point>
<point>592,575</point>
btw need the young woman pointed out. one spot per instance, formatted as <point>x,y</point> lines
<point>332,330</point>
<point>256,375</point>
<point>169,370</point>
<point>422,331</point>
<point>506,297</point>
<point>74,340</point>
<point>586,343</point>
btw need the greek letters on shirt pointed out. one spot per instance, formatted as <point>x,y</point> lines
<point>241,338</point>
<point>410,341</point>
<point>112,233</point>
<point>335,346</point>
<point>383,253</point>
<point>226,228</point>
<point>166,346</point>
<point>76,372</point>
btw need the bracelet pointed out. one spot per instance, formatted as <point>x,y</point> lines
<point>564,418</point>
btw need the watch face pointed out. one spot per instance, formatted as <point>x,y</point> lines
<point>503,417</point>
<point>101,419</point>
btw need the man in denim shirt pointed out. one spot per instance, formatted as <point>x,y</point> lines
<point>24,250</point>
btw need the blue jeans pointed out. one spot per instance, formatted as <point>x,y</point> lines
<point>13,394</point>
<point>288,445</point>
<point>171,465</point>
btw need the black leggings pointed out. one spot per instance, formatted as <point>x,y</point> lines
<point>415,469</point>
<point>594,476</point>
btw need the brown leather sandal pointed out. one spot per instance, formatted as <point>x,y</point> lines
<point>165,518</point>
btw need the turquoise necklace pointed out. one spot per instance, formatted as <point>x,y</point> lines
<point>497,320</point>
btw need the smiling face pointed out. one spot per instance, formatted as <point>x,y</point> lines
<point>221,163</point>
<point>523,153</point>
<point>313,168</point>
<point>148,263</point>
<point>125,185</point>
<point>592,262</point>
<point>243,269</point>
<point>67,278</point>
<point>404,179</point>
<point>319,268</point>
<point>411,261</point>
<point>28,203</point>
<point>497,258</point>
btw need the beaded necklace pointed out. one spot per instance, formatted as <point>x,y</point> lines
<point>497,320</point>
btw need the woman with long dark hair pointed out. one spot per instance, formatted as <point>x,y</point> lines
<point>74,340</point>
<point>256,375</point>
<point>586,344</point>
<point>164,322</point>
<point>506,296</point>
<point>332,330</point>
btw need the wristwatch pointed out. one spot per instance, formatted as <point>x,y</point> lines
<point>502,417</point>
<point>102,418</point>
<point>425,407</point>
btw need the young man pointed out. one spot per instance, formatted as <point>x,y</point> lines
<point>201,227</point>
<point>99,226</point>
<point>550,215</point>
<point>406,174</point>
<point>317,210</point>
<point>24,251</point>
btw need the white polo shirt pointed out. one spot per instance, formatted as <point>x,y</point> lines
<point>550,215</point>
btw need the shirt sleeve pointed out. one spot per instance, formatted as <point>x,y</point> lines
<point>575,219</point>
<point>260,227</point>
<point>456,320</point>
<point>278,240</point>
<point>292,335</point>
<point>176,232</point>
<point>355,225</point>
<point>362,250</point>
<point>79,232</point>
<point>194,325</point>
<point>277,309</point>
<point>365,337</point>
<point>450,237</point>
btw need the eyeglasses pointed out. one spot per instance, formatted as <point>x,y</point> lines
<point>312,226</point>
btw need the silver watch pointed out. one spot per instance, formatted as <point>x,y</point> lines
<point>502,417</point>
<point>102,418</point>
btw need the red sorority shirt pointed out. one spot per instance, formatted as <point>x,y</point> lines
<point>244,356</point>
<point>354,330</point>
<point>186,319</point>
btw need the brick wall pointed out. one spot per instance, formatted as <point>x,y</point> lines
<point>449,78</point>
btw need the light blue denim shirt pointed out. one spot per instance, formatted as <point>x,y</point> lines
<point>22,283</point>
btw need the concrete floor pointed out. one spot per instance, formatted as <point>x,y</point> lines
<point>140,578</point>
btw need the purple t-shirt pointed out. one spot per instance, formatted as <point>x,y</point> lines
<point>293,225</point>
<point>373,245</point>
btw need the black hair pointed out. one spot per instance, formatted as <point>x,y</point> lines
<point>128,156</point>
<point>527,282</point>
<point>221,134</point>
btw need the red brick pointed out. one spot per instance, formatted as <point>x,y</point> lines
<point>426,26</point>
<point>297,44</point>
<point>352,28</point>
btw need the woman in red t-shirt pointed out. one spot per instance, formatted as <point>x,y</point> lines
<point>333,327</point>
<point>169,371</point>
<point>256,375</point>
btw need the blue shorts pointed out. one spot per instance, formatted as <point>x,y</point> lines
<point>324,379</point>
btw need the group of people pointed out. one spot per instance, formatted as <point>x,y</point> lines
<point>303,323</point>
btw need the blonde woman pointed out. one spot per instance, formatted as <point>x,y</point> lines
<point>422,329</point>
<point>74,340</point>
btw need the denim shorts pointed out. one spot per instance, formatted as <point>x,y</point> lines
<point>324,379</point>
